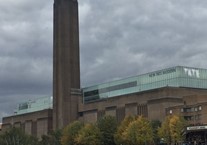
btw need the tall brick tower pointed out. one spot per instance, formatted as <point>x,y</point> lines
<point>66,67</point>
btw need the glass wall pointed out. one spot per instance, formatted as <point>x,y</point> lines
<point>32,106</point>
<point>175,77</point>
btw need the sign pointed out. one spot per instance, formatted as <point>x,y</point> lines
<point>163,72</point>
<point>196,127</point>
<point>192,72</point>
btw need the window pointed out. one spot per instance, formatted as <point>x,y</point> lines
<point>91,98</point>
<point>199,108</point>
<point>188,118</point>
<point>92,95</point>
<point>181,110</point>
<point>198,117</point>
<point>111,88</point>
<point>80,114</point>
<point>187,110</point>
<point>23,106</point>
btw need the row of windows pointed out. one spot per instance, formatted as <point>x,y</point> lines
<point>109,89</point>
<point>188,109</point>
<point>91,98</point>
<point>91,93</point>
<point>191,109</point>
<point>192,118</point>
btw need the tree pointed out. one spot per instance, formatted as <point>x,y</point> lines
<point>45,140</point>
<point>156,124</point>
<point>164,130</point>
<point>70,132</point>
<point>89,135</point>
<point>108,127</point>
<point>53,138</point>
<point>138,131</point>
<point>172,129</point>
<point>177,126</point>
<point>118,137</point>
<point>16,136</point>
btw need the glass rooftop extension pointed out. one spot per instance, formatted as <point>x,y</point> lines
<point>34,105</point>
<point>178,76</point>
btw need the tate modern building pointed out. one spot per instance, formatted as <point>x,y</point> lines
<point>175,90</point>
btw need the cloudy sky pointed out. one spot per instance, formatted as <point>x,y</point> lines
<point>118,38</point>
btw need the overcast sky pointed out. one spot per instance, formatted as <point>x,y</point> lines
<point>118,39</point>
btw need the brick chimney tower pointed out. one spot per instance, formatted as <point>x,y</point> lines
<point>66,65</point>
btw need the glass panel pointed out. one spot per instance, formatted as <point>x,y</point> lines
<point>175,77</point>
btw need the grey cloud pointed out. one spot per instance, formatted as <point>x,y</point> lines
<point>25,52</point>
<point>118,39</point>
<point>155,34</point>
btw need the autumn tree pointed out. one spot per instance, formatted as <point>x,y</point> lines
<point>139,132</point>
<point>118,137</point>
<point>88,135</point>
<point>172,129</point>
<point>107,126</point>
<point>164,130</point>
<point>156,124</point>
<point>177,126</point>
<point>70,132</point>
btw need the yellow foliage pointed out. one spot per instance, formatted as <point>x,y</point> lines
<point>136,131</point>
<point>172,129</point>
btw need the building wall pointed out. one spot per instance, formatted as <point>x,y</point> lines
<point>157,107</point>
<point>132,109</point>
<point>42,127</point>
<point>193,109</point>
<point>151,104</point>
<point>154,104</point>
<point>28,127</point>
<point>35,123</point>
<point>90,116</point>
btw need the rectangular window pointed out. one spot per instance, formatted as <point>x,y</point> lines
<point>109,89</point>
<point>188,118</point>
<point>188,109</point>
<point>198,117</point>
<point>23,106</point>
<point>181,110</point>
